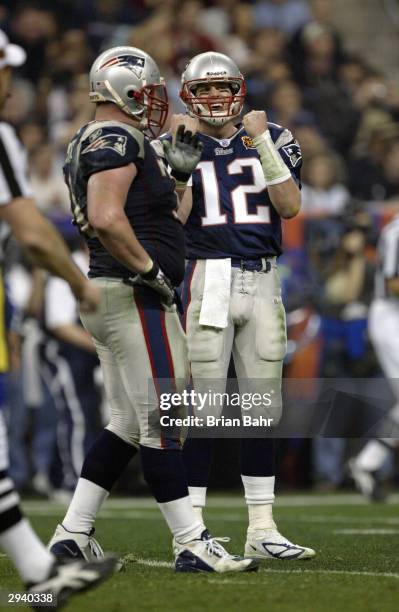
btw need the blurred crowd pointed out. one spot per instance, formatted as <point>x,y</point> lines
<point>343,111</point>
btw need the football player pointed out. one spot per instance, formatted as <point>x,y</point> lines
<point>248,178</point>
<point>124,203</point>
<point>383,320</point>
<point>39,569</point>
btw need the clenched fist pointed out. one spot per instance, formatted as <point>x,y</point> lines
<point>255,123</point>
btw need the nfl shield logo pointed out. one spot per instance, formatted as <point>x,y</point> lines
<point>225,142</point>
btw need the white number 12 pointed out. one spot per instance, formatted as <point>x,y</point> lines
<point>211,191</point>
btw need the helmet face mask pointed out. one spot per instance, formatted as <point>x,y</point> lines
<point>129,78</point>
<point>218,69</point>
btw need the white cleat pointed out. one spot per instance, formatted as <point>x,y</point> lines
<point>366,482</point>
<point>67,580</point>
<point>71,545</point>
<point>208,555</point>
<point>270,544</point>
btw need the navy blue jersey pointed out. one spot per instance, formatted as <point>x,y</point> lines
<point>151,201</point>
<point>232,215</point>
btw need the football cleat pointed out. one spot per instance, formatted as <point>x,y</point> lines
<point>206,554</point>
<point>71,545</point>
<point>270,544</point>
<point>68,579</point>
<point>366,482</point>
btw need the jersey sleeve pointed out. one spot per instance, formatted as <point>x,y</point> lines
<point>14,181</point>
<point>291,153</point>
<point>109,147</point>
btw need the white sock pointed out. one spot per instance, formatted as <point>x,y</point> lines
<point>85,504</point>
<point>182,520</point>
<point>259,496</point>
<point>258,489</point>
<point>372,456</point>
<point>198,496</point>
<point>29,555</point>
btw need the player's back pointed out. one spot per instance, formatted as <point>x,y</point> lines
<point>151,200</point>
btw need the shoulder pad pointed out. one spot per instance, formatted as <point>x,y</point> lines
<point>112,135</point>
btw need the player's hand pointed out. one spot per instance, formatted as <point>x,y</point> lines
<point>190,123</point>
<point>184,154</point>
<point>89,297</point>
<point>158,281</point>
<point>255,123</point>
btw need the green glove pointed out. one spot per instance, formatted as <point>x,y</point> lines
<point>184,155</point>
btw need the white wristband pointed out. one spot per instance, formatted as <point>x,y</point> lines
<point>274,169</point>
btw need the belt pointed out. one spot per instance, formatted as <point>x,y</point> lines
<point>252,265</point>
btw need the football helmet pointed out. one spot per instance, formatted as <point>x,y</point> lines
<point>218,68</point>
<point>130,78</point>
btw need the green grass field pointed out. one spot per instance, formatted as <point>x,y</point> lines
<point>356,568</point>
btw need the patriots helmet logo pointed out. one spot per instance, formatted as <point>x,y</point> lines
<point>133,62</point>
<point>293,152</point>
<point>247,142</point>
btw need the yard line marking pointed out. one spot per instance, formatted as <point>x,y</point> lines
<point>166,564</point>
<point>366,531</point>
<point>152,562</point>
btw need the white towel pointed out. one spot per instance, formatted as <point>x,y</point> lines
<point>216,298</point>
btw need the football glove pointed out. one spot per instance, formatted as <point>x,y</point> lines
<point>156,280</point>
<point>184,155</point>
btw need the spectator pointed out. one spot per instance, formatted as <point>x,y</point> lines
<point>286,106</point>
<point>286,15</point>
<point>323,190</point>
<point>49,189</point>
<point>367,178</point>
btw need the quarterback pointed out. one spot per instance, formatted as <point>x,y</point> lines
<point>247,179</point>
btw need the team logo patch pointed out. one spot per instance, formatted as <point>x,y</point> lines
<point>115,142</point>
<point>293,152</point>
<point>248,142</point>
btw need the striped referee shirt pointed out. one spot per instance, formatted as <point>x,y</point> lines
<point>14,182</point>
<point>387,257</point>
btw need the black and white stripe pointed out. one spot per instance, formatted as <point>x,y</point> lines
<point>10,513</point>
<point>14,182</point>
<point>387,257</point>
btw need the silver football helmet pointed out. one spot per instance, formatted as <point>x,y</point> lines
<point>130,78</point>
<point>218,68</point>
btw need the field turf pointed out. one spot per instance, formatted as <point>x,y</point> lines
<point>356,568</point>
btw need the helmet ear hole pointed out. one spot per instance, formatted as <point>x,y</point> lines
<point>132,93</point>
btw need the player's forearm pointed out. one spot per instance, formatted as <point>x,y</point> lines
<point>119,239</point>
<point>76,335</point>
<point>286,198</point>
<point>185,205</point>
<point>48,250</point>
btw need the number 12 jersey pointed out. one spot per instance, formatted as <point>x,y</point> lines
<point>232,214</point>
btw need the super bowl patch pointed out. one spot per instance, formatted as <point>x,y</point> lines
<point>247,142</point>
<point>293,152</point>
<point>116,142</point>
